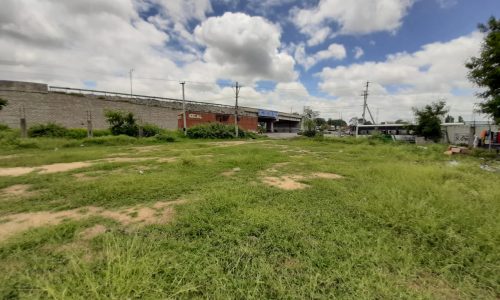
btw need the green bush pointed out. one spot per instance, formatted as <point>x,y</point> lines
<point>149,130</point>
<point>76,133</point>
<point>216,131</point>
<point>47,130</point>
<point>101,132</point>
<point>122,123</point>
<point>163,137</point>
<point>110,140</point>
<point>4,127</point>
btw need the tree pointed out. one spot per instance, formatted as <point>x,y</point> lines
<point>337,123</point>
<point>3,103</point>
<point>485,69</point>
<point>122,123</point>
<point>308,122</point>
<point>449,119</point>
<point>401,121</point>
<point>320,122</point>
<point>460,119</point>
<point>429,120</point>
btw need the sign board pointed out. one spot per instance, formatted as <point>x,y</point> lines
<point>194,116</point>
<point>268,114</point>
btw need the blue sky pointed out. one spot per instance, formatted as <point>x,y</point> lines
<point>287,54</point>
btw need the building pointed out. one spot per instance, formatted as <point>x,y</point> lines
<point>75,108</point>
<point>452,133</point>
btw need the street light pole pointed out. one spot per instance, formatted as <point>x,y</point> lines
<point>184,109</point>
<point>131,70</point>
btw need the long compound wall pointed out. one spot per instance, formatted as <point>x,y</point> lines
<point>70,110</point>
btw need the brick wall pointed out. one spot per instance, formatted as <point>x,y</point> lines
<point>194,118</point>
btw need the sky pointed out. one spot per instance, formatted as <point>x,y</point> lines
<point>287,54</point>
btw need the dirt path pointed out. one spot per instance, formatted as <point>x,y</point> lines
<point>159,213</point>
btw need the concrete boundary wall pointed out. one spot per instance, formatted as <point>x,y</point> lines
<point>40,105</point>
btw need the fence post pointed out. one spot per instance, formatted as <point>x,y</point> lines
<point>24,130</point>
<point>90,132</point>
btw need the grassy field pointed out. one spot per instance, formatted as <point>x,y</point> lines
<point>248,219</point>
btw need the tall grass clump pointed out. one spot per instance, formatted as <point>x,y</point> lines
<point>47,130</point>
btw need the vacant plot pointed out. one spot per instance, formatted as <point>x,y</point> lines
<point>249,219</point>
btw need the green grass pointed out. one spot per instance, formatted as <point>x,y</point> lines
<point>402,223</point>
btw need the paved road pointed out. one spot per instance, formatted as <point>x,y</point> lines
<point>282,135</point>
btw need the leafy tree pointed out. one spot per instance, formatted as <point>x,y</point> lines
<point>429,120</point>
<point>460,119</point>
<point>449,119</point>
<point>122,123</point>
<point>308,122</point>
<point>337,122</point>
<point>3,103</point>
<point>320,122</point>
<point>401,121</point>
<point>485,69</point>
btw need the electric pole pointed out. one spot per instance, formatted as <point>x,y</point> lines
<point>131,70</point>
<point>365,95</point>
<point>184,109</point>
<point>237,92</point>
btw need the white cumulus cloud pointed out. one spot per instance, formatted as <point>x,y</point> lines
<point>245,47</point>
<point>334,51</point>
<point>355,17</point>
<point>405,79</point>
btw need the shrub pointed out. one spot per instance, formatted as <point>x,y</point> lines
<point>110,140</point>
<point>163,137</point>
<point>149,130</point>
<point>101,132</point>
<point>76,133</point>
<point>47,130</point>
<point>122,123</point>
<point>3,103</point>
<point>216,131</point>
<point>4,127</point>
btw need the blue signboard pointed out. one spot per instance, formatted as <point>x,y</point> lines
<point>268,114</point>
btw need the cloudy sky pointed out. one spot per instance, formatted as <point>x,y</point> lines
<point>287,54</point>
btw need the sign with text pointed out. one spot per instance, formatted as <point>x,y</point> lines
<point>268,114</point>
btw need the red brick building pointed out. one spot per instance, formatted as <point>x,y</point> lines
<point>194,118</point>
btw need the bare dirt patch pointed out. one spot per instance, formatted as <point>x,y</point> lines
<point>9,156</point>
<point>287,182</point>
<point>292,182</point>
<point>168,159</point>
<point>19,190</point>
<point>63,167</point>
<point>17,171</point>
<point>326,175</point>
<point>231,172</point>
<point>230,143</point>
<point>159,213</point>
<point>438,288</point>
<point>93,231</point>
<point>124,159</point>
<point>145,149</point>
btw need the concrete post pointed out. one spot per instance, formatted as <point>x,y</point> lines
<point>24,131</point>
<point>90,132</point>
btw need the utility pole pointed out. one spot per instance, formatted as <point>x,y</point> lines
<point>237,92</point>
<point>365,95</point>
<point>184,109</point>
<point>131,70</point>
